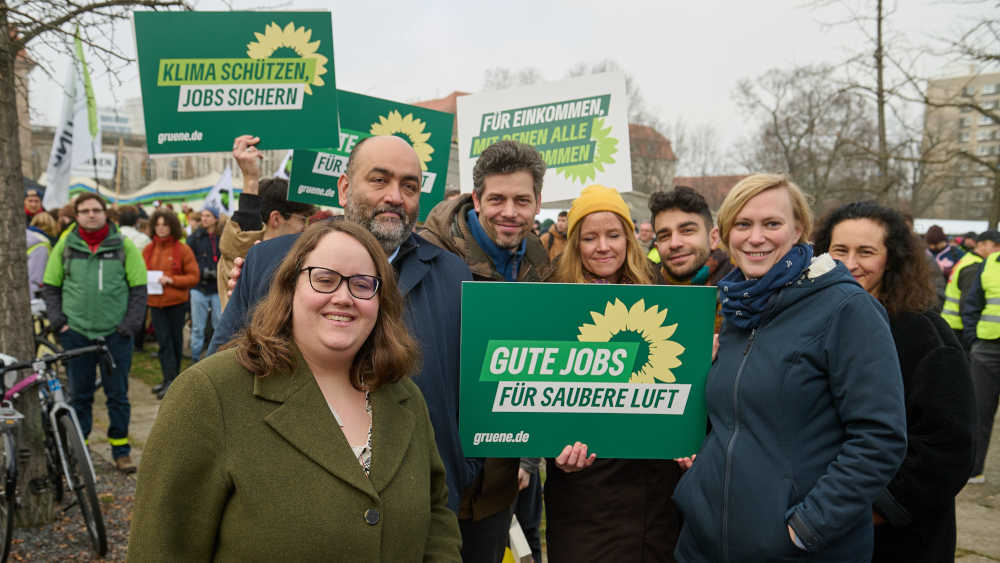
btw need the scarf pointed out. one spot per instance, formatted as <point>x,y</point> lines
<point>505,261</point>
<point>744,300</point>
<point>94,238</point>
<point>699,277</point>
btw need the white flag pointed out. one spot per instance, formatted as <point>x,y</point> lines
<point>214,197</point>
<point>73,143</point>
<point>282,171</point>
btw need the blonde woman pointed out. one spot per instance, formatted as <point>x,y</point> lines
<point>805,399</point>
<point>608,509</point>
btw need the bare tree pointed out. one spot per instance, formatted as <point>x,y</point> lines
<point>813,130</point>
<point>25,24</point>
<point>698,147</point>
<point>501,78</point>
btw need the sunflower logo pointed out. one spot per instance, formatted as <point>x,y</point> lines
<point>291,37</point>
<point>411,127</point>
<point>657,353</point>
<point>607,146</point>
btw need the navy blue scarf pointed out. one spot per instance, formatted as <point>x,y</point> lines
<point>505,261</point>
<point>744,300</point>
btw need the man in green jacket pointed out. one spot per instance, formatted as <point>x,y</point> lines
<point>95,290</point>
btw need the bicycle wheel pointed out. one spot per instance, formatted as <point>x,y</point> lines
<point>8,483</point>
<point>83,483</point>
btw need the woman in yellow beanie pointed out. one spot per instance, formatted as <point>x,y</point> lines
<point>607,509</point>
<point>600,243</point>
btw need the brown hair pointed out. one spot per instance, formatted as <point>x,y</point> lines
<point>750,187</point>
<point>634,270</point>
<point>387,355</point>
<point>85,196</point>
<point>172,221</point>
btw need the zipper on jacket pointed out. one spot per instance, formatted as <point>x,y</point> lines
<point>100,275</point>
<point>730,445</point>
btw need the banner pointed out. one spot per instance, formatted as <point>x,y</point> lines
<point>314,174</point>
<point>208,77</point>
<point>619,367</point>
<point>102,167</point>
<point>77,139</point>
<point>580,126</point>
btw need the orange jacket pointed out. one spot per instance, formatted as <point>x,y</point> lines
<point>176,260</point>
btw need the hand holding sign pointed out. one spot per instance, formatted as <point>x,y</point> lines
<point>574,458</point>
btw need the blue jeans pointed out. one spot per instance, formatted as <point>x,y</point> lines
<point>82,372</point>
<point>201,305</point>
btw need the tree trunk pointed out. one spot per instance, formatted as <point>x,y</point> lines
<point>883,148</point>
<point>36,503</point>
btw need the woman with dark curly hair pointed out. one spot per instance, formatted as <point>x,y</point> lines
<point>168,308</point>
<point>914,515</point>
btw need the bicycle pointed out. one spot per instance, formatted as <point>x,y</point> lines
<point>45,338</point>
<point>10,419</point>
<point>66,452</point>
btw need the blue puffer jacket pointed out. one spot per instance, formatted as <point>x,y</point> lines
<point>808,426</point>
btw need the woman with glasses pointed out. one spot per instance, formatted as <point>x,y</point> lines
<point>304,440</point>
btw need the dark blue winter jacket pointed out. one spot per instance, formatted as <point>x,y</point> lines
<point>808,427</point>
<point>430,280</point>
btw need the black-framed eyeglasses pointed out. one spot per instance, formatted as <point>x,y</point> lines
<point>325,280</point>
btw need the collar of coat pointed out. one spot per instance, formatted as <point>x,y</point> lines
<point>448,225</point>
<point>300,417</point>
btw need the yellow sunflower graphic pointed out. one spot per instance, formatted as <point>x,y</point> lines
<point>645,325</point>
<point>410,126</point>
<point>291,37</point>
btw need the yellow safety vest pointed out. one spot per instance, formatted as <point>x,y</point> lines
<point>952,295</point>
<point>989,320</point>
<point>654,255</point>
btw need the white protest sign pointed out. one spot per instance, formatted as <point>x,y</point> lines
<point>580,126</point>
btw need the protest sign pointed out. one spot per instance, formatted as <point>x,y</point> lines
<point>619,367</point>
<point>314,173</point>
<point>208,77</point>
<point>580,127</point>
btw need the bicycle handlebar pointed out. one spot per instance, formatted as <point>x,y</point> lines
<point>50,359</point>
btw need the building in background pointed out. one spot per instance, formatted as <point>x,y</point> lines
<point>953,125</point>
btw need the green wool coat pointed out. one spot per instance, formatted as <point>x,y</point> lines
<point>243,468</point>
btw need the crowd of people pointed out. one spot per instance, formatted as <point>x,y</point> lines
<point>322,418</point>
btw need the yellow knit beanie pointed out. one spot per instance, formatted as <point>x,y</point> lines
<point>598,198</point>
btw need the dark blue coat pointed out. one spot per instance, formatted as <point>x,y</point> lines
<point>206,252</point>
<point>430,280</point>
<point>808,427</point>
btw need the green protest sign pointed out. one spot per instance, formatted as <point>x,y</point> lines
<point>314,174</point>
<point>619,367</point>
<point>208,77</point>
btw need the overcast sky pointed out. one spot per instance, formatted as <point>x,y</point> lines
<point>686,56</point>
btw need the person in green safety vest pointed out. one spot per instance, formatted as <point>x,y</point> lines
<point>962,275</point>
<point>980,311</point>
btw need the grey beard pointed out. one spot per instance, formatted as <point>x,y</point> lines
<point>389,236</point>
